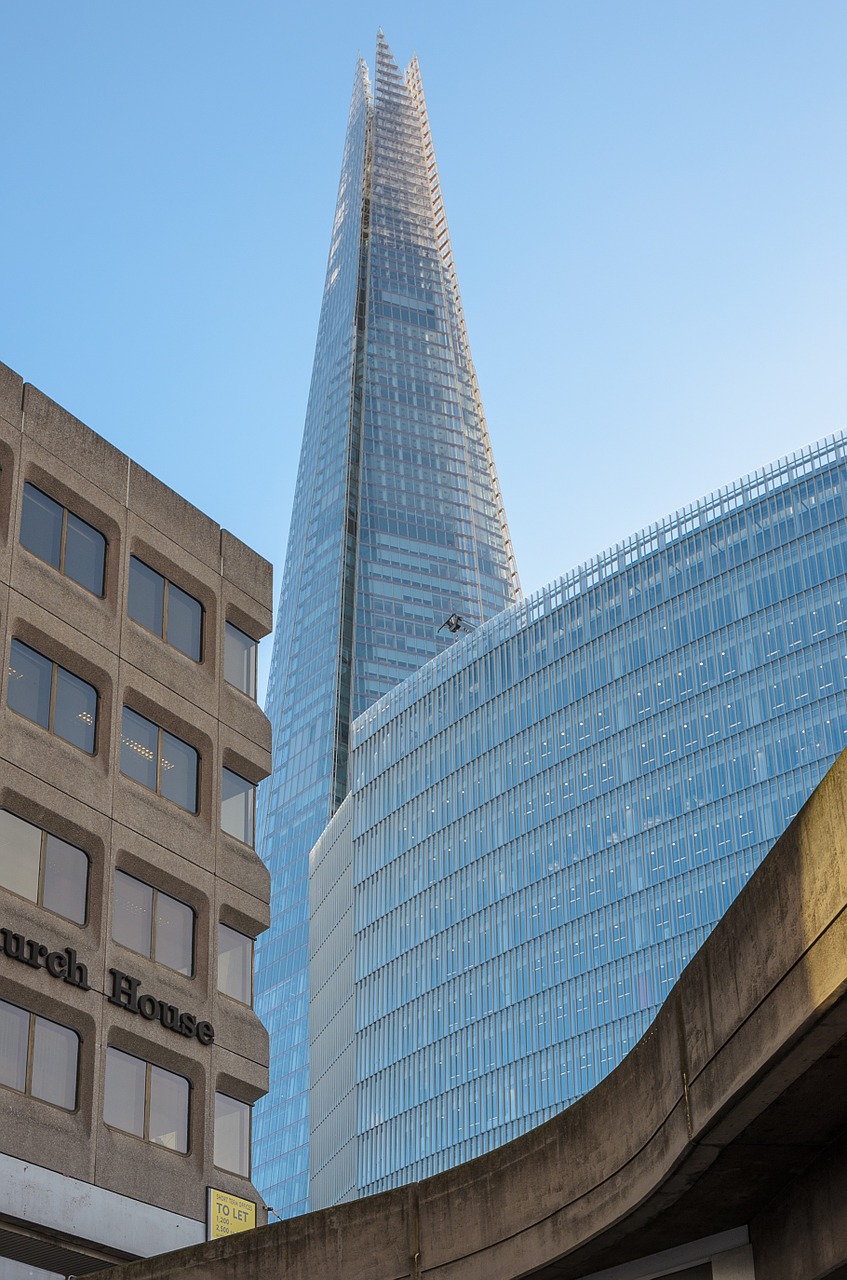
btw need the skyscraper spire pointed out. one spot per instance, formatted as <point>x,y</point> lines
<point>397,525</point>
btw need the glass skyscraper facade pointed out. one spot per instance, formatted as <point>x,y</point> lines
<point>547,820</point>
<point>397,525</point>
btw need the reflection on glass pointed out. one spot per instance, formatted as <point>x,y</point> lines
<point>54,1066</point>
<point>240,651</point>
<point>168,1123</point>
<point>20,855</point>
<point>174,934</point>
<point>153,923</point>
<point>41,525</point>
<point>165,609</point>
<point>185,622</point>
<point>232,1135</point>
<point>65,888</point>
<point>159,760</point>
<point>132,913</point>
<point>85,555</point>
<point>139,748</point>
<point>238,806</point>
<point>125,1092</point>
<point>178,779</point>
<point>38,1056</point>
<point>235,964</point>
<point>75,712</point>
<point>14,1040</point>
<point>146,597</point>
<point>65,541</point>
<point>30,678</point>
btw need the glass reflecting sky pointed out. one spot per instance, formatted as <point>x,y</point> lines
<point>397,525</point>
<point>546,822</point>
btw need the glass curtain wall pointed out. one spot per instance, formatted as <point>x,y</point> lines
<point>397,525</point>
<point>548,819</point>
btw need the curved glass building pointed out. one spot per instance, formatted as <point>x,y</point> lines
<point>546,821</point>
<point>397,526</point>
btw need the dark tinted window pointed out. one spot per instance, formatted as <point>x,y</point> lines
<point>51,696</point>
<point>165,609</point>
<point>56,535</point>
<point>159,760</point>
<point>240,660</point>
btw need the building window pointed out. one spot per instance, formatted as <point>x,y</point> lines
<point>153,923</point>
<point>240,652</point>
<point>56,535</point>
<point>158,760</point>
<point>165,609</point>
<point>42,868</point>
<point>50,696</point>
<point>38,1057</point>
<point>232,1135</point>
<point>238,806</point>
<point>146,1101</point>
<point>235,964</point>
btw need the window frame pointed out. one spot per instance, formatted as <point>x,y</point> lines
<point>56,667</point>
<point>29,1069</point>
<point>157,791</point>
<point>148,1074</point>
<point>63,540</point>
<point>156,892</point>
<point>38,900</point>
<point>167,584</point>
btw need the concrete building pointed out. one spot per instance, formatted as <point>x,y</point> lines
<point>717,1150</point>
<point>545,822</point>
<point>131,745</point>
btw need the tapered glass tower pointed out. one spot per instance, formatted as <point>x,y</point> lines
<point>397,526</point>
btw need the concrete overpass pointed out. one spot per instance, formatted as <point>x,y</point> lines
<point>717,1148</point>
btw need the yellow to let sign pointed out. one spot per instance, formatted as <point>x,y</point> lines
<point>228,1214</point>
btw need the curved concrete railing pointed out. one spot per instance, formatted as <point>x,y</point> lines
<point>635,1164</point>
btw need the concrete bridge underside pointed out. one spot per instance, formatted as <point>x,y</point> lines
<point>728,1120</point>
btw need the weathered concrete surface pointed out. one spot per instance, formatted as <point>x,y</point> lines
<point>730,1102</point>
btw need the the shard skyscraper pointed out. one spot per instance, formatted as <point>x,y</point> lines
<point>397,526</point>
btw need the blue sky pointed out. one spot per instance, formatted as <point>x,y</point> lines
<point>648,205</point>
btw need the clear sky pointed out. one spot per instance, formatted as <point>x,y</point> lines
<point>647,200</point>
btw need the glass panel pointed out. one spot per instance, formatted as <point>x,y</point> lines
<point>65,889</point>
<point>132,913</point>
<point>185,622</point>
<point>20,855</point>
<point>54,1059</point>
<point>139,748</point>
<point>174,944</point>
<point>168,1109</point>
<point>146,599</point>
<point>238,804</point>
<point>41,525</point>
<point>85,554</point>
<point>30,674</point>
<point>75,712</point>
<point>235,964</point>
<point>240,660</point>
<point>123,1099</point>
<point>14,1037</point>
<point>232,1134</point>
<point>178,779</point>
